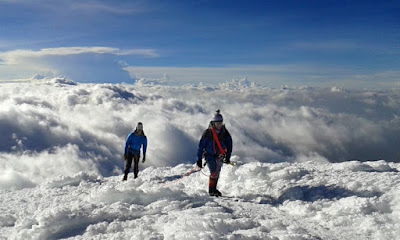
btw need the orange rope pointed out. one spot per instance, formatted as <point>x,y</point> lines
<point>215,138</point>
<point>195,169</point>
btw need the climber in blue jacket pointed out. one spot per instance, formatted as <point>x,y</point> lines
<point>134,142</point>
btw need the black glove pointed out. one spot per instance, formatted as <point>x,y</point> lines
<point>125,156</point>
<point>144,159</point>
<point>199,163</point>
<point>227,160</point>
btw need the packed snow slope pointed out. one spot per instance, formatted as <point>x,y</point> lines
<point>351,200</point>
<point>307,162</point>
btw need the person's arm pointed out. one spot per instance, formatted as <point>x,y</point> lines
<point>200,150</point>
<point>144,149</point>
<point>202,146</point>
<point>229,147</point>
<point>128,142</point>
<point>144,145</point>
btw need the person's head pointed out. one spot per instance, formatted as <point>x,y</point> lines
<point>139,127</point>
<point>217,120</point>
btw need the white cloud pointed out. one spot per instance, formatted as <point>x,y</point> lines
<point>13,57</point>
<point>273,75</point>
<point>88,7</point>
<point>23,64</point>
<point>193,75</point>
<point>55,118</point>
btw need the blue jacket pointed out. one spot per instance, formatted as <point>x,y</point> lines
<point>210,149</point>
<point>134,142</point>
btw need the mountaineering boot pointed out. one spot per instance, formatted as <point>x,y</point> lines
<point>212,187</point>
<point>125,177</point>
<point>135,176</point>
<point>214,193</point>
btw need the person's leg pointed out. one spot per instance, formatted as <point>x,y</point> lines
<point>128,165</point>
<point>214,167</point>
<point>136,158</point>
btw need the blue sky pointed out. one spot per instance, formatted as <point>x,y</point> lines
<point>353,44</point>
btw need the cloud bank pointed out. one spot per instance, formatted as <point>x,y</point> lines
<point>111,65</point>
<point>13,57</point>
<point>273,75</point>
<point>78,62</point>
<point>52,127</point>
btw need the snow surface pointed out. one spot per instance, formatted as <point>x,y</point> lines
<point>304,155</point>
<point>351,200</point>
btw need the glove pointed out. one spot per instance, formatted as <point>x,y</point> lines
<point>199,163</point>
<point>125,156</point>
<point>144,159</point>
<point>227,160</point>
<point>221,157</point>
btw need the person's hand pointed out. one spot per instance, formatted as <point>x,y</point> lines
<point>227,160</point>
<point>199,163</point>
<point>221,157</point>
<point>125,156</point>
<point>144,159</point>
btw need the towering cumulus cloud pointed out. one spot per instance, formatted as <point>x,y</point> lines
<point>57,127</point>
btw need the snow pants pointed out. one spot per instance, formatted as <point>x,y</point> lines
<point>128,163</point>
<point>215,165</point>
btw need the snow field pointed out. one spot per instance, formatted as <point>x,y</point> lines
<point>263,201</point>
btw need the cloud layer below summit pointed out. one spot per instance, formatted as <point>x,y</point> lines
<point>56,127</point>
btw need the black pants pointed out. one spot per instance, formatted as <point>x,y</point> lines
<point>128,164</point>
